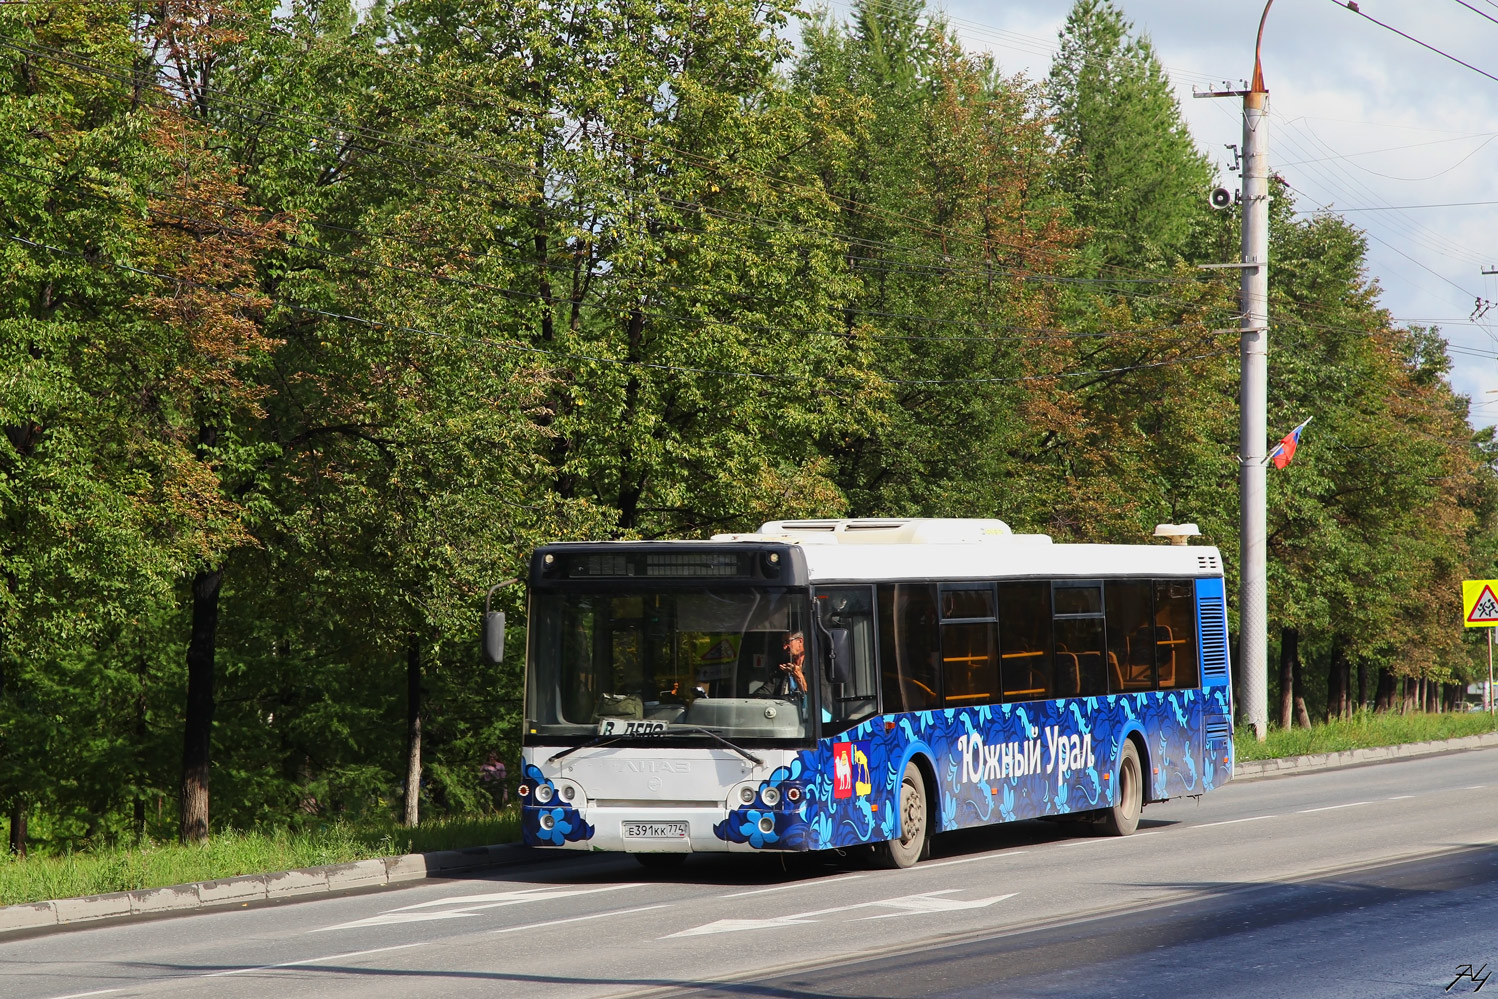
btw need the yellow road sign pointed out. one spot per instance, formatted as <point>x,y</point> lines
<point>1480,603</point>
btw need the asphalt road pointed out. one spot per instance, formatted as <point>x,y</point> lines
<point>1374,881</point>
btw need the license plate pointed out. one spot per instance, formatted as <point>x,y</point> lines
<point>655,830</point>
<point>629,726</point>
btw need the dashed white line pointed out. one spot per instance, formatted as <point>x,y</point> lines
<point>80,995</point>
<point>578,919</point>
<point>310,960</point>
<point>1228,822</point>
<point>1327,808</point>
<point>1399,797</point>
<point>801,884</point>
<point>971,860</point>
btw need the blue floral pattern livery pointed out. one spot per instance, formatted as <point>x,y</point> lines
<point>565,823</point>
<point>789,828</point>
<point>995,763</point>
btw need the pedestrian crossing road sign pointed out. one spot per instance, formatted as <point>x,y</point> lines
<point>1480,603</point>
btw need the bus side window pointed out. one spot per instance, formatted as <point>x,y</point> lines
<point>1025,640</point>
<point>908,646</point>
<point>850,693</point>
<point>969,645</point>
<point>1131,636</point>
<point>1175,633</point>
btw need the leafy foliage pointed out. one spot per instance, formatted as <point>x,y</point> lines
<point>344,309</point>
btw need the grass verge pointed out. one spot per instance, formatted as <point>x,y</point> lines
<point>1363,731</point>
<point>231,853</point>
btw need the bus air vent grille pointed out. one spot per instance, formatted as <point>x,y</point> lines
<point>1207,562</point>
<point>1219,728</point>
<point>1214,644</point>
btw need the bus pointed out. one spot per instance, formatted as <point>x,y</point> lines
<point>840,684</point>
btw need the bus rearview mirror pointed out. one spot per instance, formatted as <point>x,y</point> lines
<point>494,636</point>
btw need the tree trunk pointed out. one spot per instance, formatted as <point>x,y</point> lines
<point>197,731</point>
<point>1362,684</point>
<point>1289,654</point>
<point>1333,682</point>
<point>1384,699</point>
<point>18,811</point>
<point>1297,683</point>
<point>413,732</point>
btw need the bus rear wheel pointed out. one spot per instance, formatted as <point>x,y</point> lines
<point>1123,818</point>
<point>913,842</point>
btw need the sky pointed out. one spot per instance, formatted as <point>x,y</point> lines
<point>1365,122</point>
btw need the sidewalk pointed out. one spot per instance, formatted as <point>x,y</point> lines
<point>416,866</point>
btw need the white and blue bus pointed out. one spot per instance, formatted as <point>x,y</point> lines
<point>830,684</point>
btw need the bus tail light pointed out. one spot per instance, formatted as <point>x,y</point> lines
<point>524,790</point>
<point>793,794</point>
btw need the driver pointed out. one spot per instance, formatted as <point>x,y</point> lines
<point>790,676</point>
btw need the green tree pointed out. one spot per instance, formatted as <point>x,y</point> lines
<point>1138,181</point>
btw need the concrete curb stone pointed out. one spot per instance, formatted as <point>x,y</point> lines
<point>260,887</point>
<point>1255,769</point>
<point>417,866</point>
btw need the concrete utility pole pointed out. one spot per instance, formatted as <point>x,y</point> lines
<point>1253,616</point>
<point>1253,603</point>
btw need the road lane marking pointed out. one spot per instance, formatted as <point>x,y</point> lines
<point>908,905</point>
<point>971,860</point>
<point>310,960</point>
<point>1399,797</point>
<point>80,995</point>
<point>515,895</point>
<point>578,919</point>
<point>799,884</point>
<point>464,906</point>
<point>1327,808</point>
<point>1228,822</point>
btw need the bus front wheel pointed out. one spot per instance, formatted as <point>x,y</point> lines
<point>1123,817</point>
<point>913,840</point>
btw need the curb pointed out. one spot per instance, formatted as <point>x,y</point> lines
<point>1285,766</point>
<point>262,887</point>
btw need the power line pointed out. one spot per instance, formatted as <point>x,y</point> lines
<point>1352,6</point>
<point>1400,208</point>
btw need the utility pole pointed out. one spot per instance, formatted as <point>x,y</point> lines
<point>1253,602</point>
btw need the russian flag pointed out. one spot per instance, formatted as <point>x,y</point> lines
<point>1285,449</point>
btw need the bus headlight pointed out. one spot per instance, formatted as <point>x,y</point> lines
<point>568,792</point>
<point>544,793</point>
<point>770,796</point>
<point>547,821</point>
<point>746,795</point>
<point>766,824</point>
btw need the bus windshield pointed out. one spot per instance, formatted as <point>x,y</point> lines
<point>658,662</point>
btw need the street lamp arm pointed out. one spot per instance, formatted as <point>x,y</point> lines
<point>1258,84</point>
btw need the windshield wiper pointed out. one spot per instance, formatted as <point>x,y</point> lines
<point>597,740</point>
<point>608,740</point>
<point>709,732</point>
